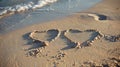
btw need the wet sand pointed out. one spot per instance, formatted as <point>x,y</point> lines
<point>85,39</point>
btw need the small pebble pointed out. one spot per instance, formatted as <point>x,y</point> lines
<point>46,43</point>
<point>95,38</point>
<point>92,41</point>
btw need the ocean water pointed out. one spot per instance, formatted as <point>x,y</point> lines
<point>28,12</point>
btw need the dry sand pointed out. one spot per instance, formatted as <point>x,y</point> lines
<point>53,44</point>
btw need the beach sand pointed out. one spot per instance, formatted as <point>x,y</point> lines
<point>85,39</point>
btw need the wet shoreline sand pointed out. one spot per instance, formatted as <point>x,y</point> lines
<point>47,13</point>
<point>21,48</point>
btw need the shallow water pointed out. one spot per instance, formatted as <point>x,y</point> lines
<point>52,11</point>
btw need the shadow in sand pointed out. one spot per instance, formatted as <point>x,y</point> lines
<point>34,43</point>
<point>52,34</point>
<point>102,17</point>
<point>74,31</point>
<point>28,39</point>
<point>91,38</point>
<point>93,35</point>
<point>112,38</point>
<point>67,41</point>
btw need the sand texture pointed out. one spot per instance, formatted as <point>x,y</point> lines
<point>90,38</point>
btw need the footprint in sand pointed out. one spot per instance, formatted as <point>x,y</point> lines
<point>98,17</point>
<point>95,16</point>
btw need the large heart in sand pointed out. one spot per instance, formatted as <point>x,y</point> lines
<point>82,38</point>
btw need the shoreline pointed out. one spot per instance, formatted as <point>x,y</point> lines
<point>27,18</point>
<point>103,17</point>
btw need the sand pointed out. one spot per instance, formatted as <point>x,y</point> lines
<point>85,39</point>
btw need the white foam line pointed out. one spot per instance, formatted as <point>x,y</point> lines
<point>24,7</point>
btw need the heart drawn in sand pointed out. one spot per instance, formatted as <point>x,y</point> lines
<point>82,38</point>
<point>74,38</point>
<point>49,35</point>
<point>41,39</point>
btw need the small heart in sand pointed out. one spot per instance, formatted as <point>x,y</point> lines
<point>43,36</point>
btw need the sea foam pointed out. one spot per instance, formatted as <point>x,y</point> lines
<point>24,6</point>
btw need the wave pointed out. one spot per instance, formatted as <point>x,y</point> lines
<point>24,7</point>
